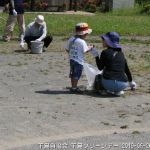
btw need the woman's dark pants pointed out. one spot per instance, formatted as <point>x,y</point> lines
<point>47,40</point>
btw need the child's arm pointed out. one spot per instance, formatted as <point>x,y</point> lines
<point>89,48</point>
<point>67,50</point>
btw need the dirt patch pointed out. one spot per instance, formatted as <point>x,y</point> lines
<point>69,13</point>
<point>35,103</point>
<point>136,49</point>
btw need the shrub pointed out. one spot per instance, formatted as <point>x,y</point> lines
<point>146,8</point>
<point>142,2</point>
<point>89,5</point>
<point>90,8</point>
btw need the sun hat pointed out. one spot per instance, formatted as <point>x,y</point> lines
<point>39,19</point>
<point>82,28</point>
<point>111,39</point>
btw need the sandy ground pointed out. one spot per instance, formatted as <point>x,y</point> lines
<point>37,107</point>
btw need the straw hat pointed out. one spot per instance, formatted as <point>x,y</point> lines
<point>82,28</point>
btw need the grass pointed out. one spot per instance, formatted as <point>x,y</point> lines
<point>126,11</point>
<point>123,21</point>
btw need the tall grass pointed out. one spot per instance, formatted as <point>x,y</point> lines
<point>125,24</point>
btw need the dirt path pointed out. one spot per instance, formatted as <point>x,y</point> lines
<point>69,13</point>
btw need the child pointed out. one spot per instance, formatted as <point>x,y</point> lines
<point>76,48</point>
<point>116,73</point>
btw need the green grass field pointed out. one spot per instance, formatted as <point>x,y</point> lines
<point>125,24</point>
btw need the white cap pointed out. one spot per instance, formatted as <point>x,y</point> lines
<point>39,19</point>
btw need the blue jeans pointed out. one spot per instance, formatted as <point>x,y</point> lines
<point>114,85</point>
<point>75,70</point>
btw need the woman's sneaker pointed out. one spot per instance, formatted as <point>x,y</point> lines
<point>119,93</point>
<point>115,93</point>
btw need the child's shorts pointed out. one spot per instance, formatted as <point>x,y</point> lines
<point>75,70</point>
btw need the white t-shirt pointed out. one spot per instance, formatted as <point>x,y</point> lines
<point>76,48</point>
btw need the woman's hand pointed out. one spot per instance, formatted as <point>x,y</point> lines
<point>132,85</point>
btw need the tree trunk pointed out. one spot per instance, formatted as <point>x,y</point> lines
<point>70,5</point>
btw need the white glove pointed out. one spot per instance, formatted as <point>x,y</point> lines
<point>14,12</point>
<point>94,52</point>
<point>38,40</point>
<point>21,45</point>
<point>132,85</point>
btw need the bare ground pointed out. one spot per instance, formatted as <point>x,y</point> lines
<point>36,106</point>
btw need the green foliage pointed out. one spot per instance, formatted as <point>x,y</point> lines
<point>142,2</point>
<point>126,11</point>
<point>88,5</point>
<point>146,8</point>
<point>90,8</point>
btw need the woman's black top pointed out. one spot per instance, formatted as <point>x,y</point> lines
<point>114,65</point>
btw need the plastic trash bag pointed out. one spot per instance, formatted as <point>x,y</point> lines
<point>90,72</point>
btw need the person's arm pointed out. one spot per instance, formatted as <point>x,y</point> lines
<point>100,62</point>
<point>13,7</point>
<point>66,47</point>
<point>28,30</point>
<point>12,4</point>
<point>44,33</point>
<point>127,71</point>
<point>132,84</point>
<point>27,33</point>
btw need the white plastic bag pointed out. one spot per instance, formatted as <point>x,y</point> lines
<point>90,72</point>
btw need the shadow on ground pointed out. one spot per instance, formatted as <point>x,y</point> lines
<point>88,93</point>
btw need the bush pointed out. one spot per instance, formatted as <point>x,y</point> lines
<point>146,8</point>
<point>89,5</point>
<point>90,8</point>
<point>142,2</point>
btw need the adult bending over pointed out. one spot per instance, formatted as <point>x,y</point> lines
<point>37,31</point>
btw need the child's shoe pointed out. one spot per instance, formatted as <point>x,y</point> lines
<point>76,91</point>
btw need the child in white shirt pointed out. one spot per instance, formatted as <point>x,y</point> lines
<point>76,48</point>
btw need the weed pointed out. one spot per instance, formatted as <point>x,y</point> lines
<point>135,132</point>
<point>124,127</point>
<point>44,71</point>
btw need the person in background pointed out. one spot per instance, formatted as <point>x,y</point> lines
<point>76,48</point>
<point>116,75</point>
<point>37,31</point>
<point>16,12</point>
